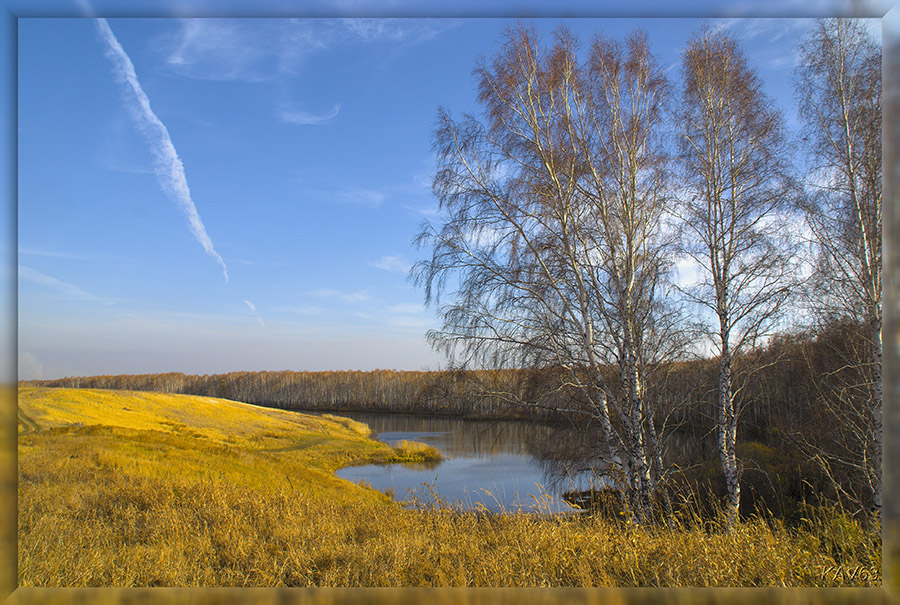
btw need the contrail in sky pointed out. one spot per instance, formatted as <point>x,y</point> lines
<point>252,307</point>
<point>168,166</point>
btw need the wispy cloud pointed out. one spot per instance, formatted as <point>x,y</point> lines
<point>252,308</point>
<point>265,50</point>
<point>350,195</point>
<point>346,297</point>
<point>306,118</point>
<point>405,316</point>
<point>64,289</point>
<point>395,30</point>
<point>772,30</point>
<point>723,24</point>
<point>406,308</point>
<point>358,196</point>
<point>430,210</point>
<point>244,50</point>
<point>391,263</point>
<point>24,251</point>
<point>774,40</point>
<point>168,167</point>
<point>301,309</point>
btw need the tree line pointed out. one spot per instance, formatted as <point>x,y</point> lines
<point>781,404</point>
<point>438,393</point>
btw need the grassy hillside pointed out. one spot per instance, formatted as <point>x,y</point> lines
<point>154,435</point>
<point>143,489</point>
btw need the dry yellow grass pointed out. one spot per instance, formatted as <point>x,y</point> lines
<point>162,436</point>
<point>413,451</point>
<point>220,420</point>
<point>135,503</point>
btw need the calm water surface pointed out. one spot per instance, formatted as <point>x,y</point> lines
<point>498,465</point>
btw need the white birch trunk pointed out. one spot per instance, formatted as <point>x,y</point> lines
<point>600,402</point>
<point>727,436</point>
<point>876,413</point>
<point>639,451</point>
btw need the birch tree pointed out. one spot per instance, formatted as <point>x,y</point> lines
<point>552,234</point>
<point>839,92</point>
<point>734,202</point>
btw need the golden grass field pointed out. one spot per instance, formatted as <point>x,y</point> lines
<point>144,489</point>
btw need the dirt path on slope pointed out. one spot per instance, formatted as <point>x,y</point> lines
<point>26,424</point>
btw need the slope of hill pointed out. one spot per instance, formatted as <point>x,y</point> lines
<point>182,437</point>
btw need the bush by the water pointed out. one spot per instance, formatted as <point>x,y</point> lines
<point>414,451</point>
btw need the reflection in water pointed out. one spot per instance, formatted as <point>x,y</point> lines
<point>498,465</point>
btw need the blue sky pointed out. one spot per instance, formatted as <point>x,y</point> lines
<point>292,155</point>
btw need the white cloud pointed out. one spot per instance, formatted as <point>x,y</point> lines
<point>246,50</point>
<point>772,30</point>
<point>407,316</point>
<point>252,308</point>
<point>790,226</point>
<point>306,118</point>
<point>406,308</point>
<point>65,289</point>
<point>775,39</point>
<point>168,167</point>
<point>301,309</point>
<point>391,263</point>
<point>325,292</point>
<point>395,30</point>
<point>53,254</point>
<point>346,297</point>
<point>261,50</point>
<point>430,210</point>
<point>359,197</point>
<point>723,24</point>
<point>688,272</point>
<point>355,297</point>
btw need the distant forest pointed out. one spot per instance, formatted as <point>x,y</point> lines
<point>795,401</point>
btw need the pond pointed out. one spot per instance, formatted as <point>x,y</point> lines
<point>495,465</point>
